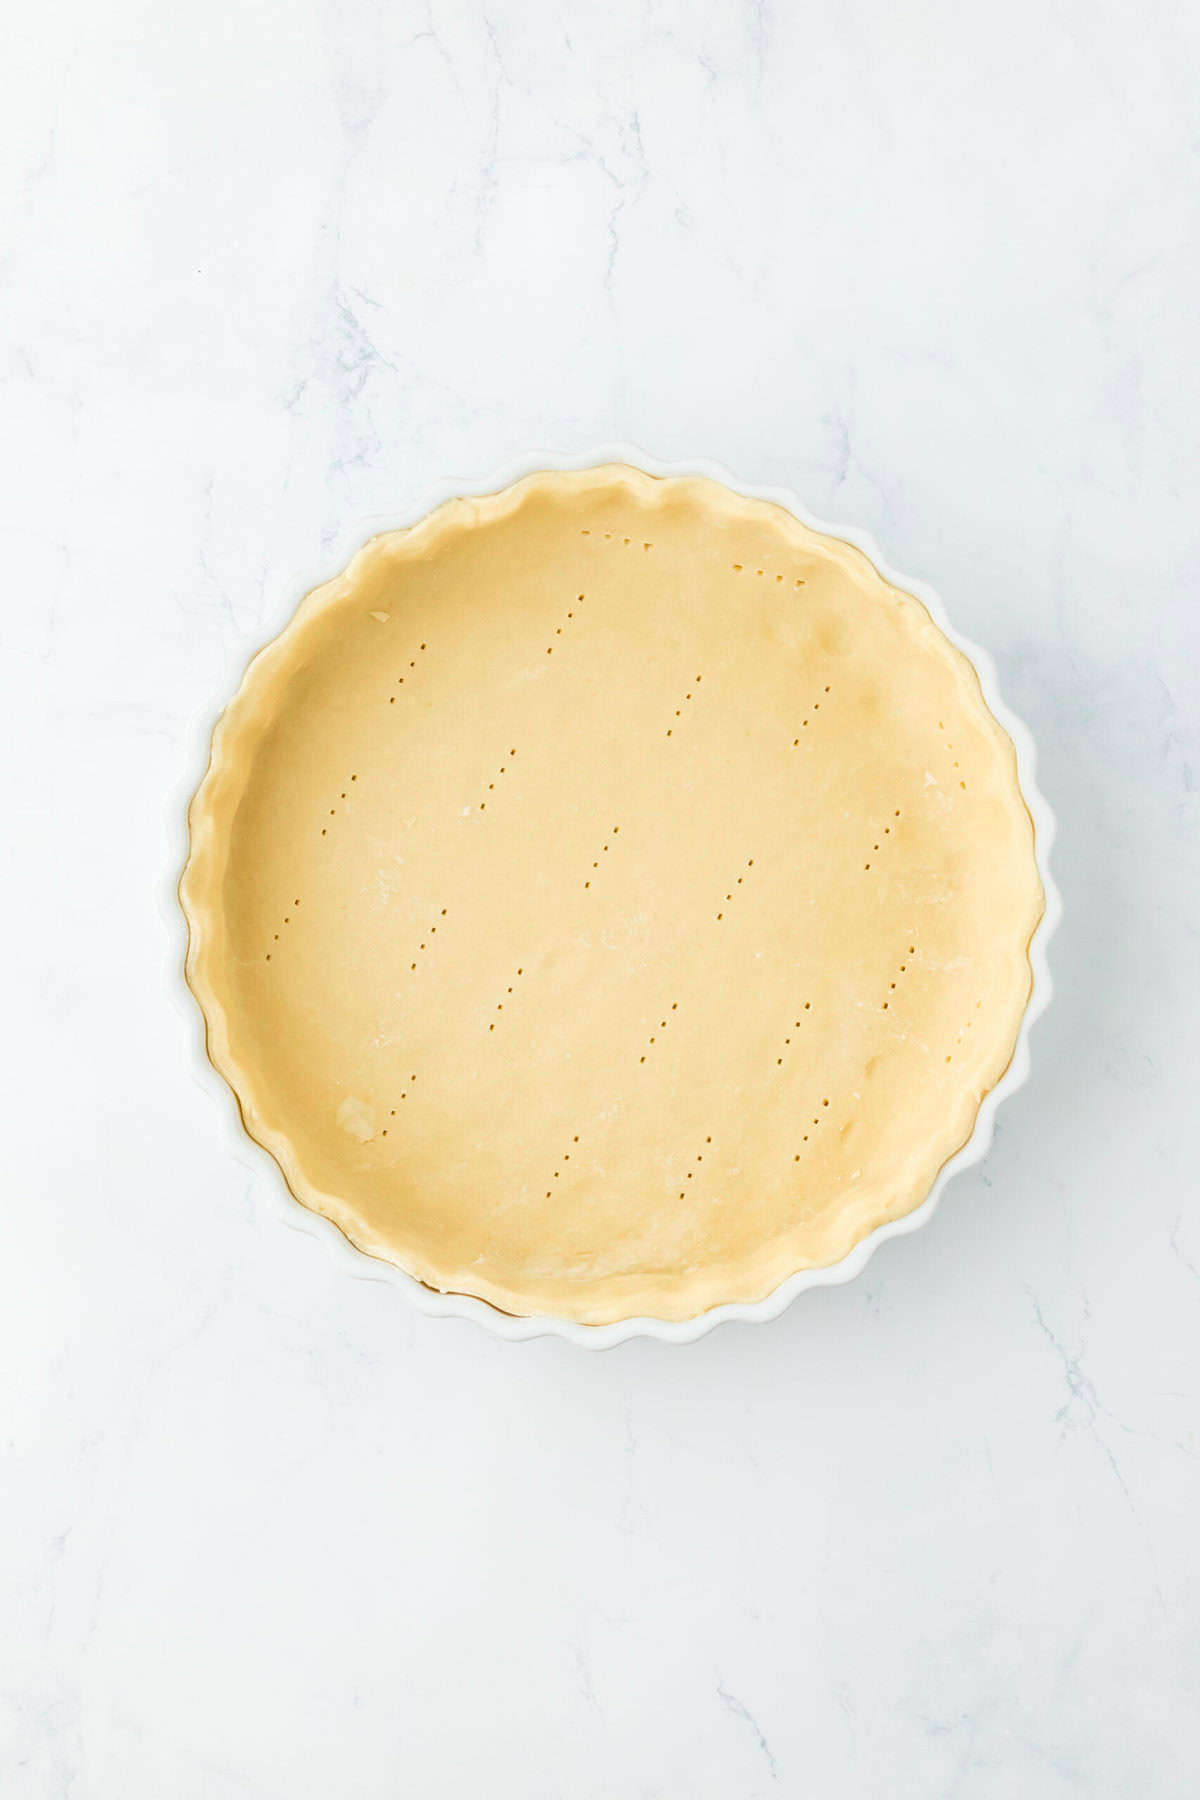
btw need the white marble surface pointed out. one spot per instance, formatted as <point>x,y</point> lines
<point>268,1534</point>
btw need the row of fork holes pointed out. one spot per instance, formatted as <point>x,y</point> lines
<point>608,538</point>
<point>287,919</point>
<point>679,709</point>
<point>510,989</point>
<point>503,770</point>
<point>691,1172</point>
<point>737,884</point>
<point>566,1157</point>
<point>740,569</point>
<point>400,681</point>
<point>333,809</point>
<point>424,945</point>
<point>604,849</point>
<point>902,970</point>
<point>950,747</point>
<point>558,630</point>
<point>662,1026</point>
<point>887,832</point>
<point>403,1096</point>
<point>816,707</point>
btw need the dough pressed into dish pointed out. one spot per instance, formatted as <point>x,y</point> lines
<point>609,897</point>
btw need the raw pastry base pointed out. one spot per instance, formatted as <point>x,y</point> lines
<point>609,897</point>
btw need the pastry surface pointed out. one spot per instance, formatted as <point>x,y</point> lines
<point>609,897</point>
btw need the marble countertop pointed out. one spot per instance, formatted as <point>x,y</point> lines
<point>268,1534</point>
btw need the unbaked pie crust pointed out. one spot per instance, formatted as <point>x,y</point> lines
<point>610,897</point>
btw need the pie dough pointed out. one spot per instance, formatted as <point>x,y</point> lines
<point>609,897</point>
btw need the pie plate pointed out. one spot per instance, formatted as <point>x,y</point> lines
<point>574,1264</point>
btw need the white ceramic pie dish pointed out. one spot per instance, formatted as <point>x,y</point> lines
<point>438,1304</point>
